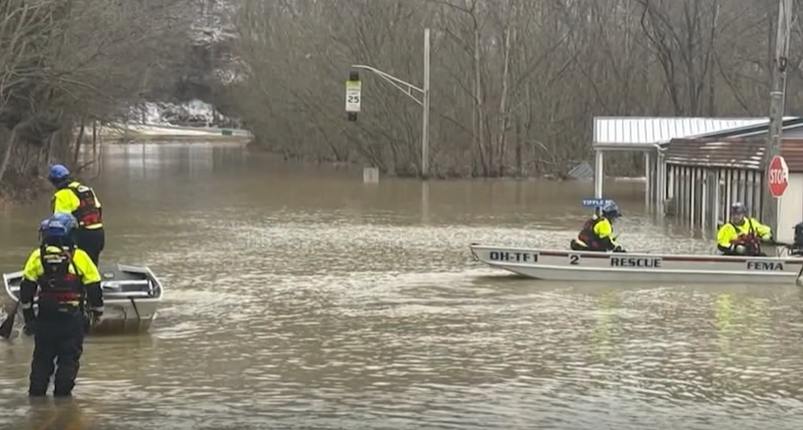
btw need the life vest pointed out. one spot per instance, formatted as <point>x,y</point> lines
<point>60,292</point>
<point>87,213</point>
<point>749,240</point>
<point>587,235</point>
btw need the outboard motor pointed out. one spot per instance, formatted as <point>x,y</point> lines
<point>797,250</point>
<point>797,246</point>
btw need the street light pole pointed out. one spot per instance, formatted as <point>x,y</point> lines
<point>413,92</point>
<point>425,115</point>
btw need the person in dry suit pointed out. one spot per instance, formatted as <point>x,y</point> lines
<point>64,277</point>
<point>77,199</point>
<point>597,232</point>
<point>742,234</point>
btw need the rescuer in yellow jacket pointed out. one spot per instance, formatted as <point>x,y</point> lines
<point>64,278</point>
<point>597,232</point>
<point>81,201</point>
<point>741,235</point>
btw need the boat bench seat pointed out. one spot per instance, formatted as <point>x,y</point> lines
<point>128,288</point>
<point>122,289</point>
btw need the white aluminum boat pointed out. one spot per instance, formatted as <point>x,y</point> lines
<point>559,265</point>
<point>131,296</point>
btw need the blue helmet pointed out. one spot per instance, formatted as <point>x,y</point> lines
<point>58,173</point>
<point>610,209</point>
<point>58,225</point>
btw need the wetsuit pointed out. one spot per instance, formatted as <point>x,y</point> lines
<point>81,201</point>
<point>743,238</point>
<point>65,277</point>
<point>596,235</point>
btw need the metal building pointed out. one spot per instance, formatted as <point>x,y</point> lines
<point>651,135</point>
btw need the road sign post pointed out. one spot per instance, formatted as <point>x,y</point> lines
<point>353,96</point>
<point>777,176</point>
<point>411,90</point>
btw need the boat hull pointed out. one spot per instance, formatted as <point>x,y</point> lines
<point>131,296</point>
<point>559,265</point>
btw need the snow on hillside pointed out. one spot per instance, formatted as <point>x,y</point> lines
<point>211,26</point>
<point>213,22</point>
<point>194,113</point>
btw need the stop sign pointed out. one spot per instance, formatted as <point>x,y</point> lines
<point>777,176</point>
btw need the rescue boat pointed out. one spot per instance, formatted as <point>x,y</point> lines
<point>131,296</point>
<point>561,265</point>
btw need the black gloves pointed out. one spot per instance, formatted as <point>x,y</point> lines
<point>30,321</point>
<point>91,319</point>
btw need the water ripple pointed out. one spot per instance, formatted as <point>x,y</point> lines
<point>326,304</point>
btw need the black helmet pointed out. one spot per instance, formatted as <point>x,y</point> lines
<point>611,210</point>
<point>738,209</point>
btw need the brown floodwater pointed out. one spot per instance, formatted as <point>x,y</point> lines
<point>300,298</point>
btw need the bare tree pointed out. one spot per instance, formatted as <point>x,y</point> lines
<point>514,83</point>
<point>65,63</point>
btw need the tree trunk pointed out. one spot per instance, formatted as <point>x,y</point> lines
<point>78,139</point>
<point>12,142</point>
<point>504,117</point>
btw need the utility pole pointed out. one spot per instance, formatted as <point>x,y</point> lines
<point>409,89</point>
<point>777,99</point>
<point>425,115</point>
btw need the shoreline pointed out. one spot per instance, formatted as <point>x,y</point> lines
<point>129,135</point>
<point>133,133</point>
<point>10,196</point>
<point>168,138</point>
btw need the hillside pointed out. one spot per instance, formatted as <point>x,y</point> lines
<point>187,92</point>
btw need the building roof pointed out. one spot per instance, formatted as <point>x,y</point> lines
<point>734,153</point>
<point>642,133</point>
<point>789,123</point>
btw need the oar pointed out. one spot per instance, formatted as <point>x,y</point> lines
<point>788,246</point>
<point>792,250</point>
<point>8,324</point>
<point>775,243</point>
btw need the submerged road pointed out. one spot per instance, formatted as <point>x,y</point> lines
<point>300,298</point>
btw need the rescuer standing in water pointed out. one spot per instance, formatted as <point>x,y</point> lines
<point>77,199</point>
<point>65,278</point>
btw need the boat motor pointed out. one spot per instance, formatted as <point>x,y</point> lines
<point>797,246</point>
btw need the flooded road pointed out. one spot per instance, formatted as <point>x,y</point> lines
<point>300,298</point>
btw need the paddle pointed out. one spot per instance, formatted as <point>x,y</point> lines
<point>8,324</point>
<point>792,250</point>
<point>775,243</point>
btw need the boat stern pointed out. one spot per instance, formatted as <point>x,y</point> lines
<point>120,318</point>
<point>131,294</point>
